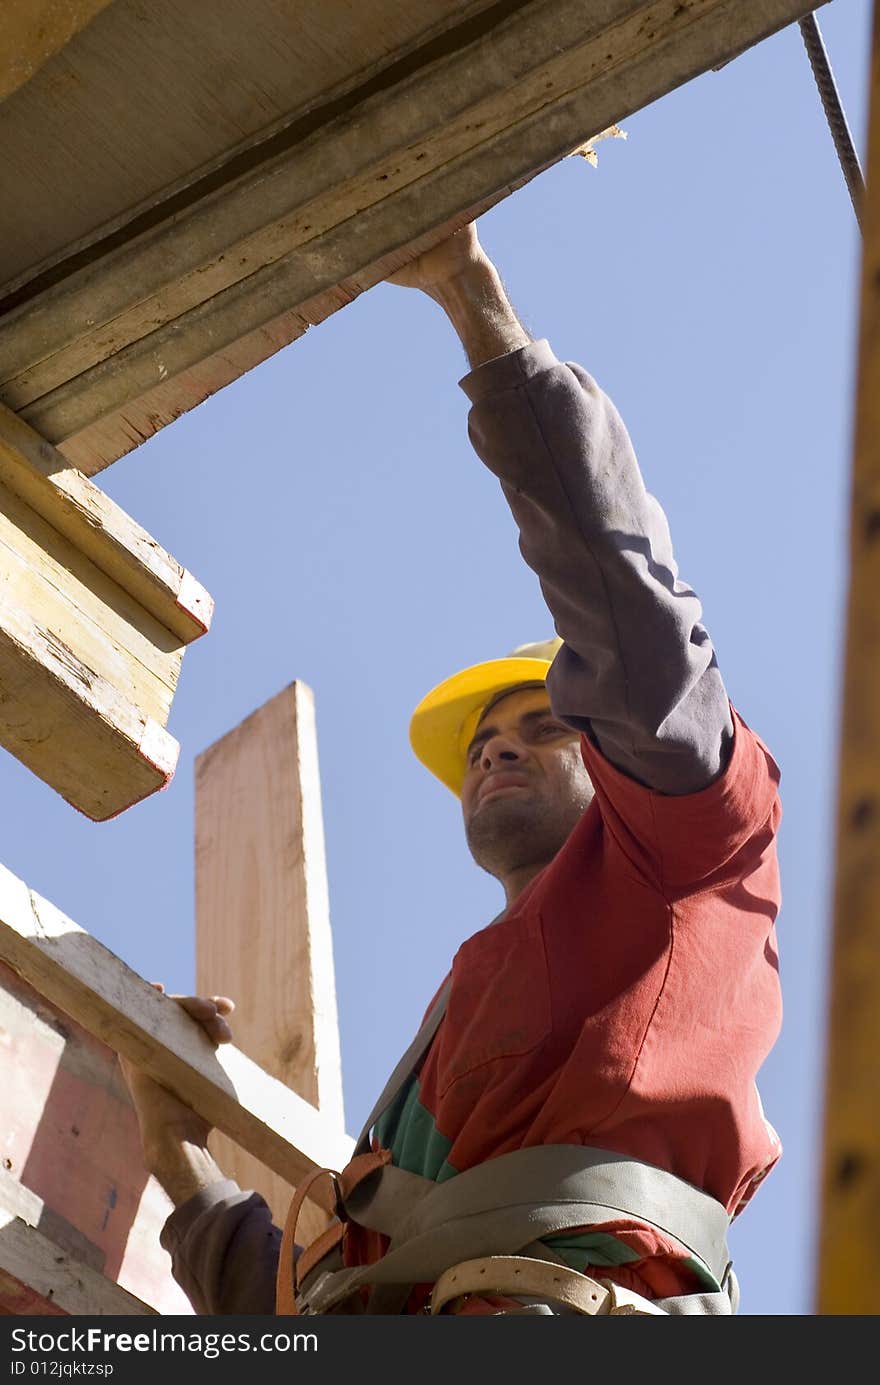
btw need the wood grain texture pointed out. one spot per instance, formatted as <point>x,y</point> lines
<point>327,204</point>
<point>17,1299</point>
<point>85,980</point>
<point>94,524</point>
<point>848,1271</point>
<point>71,726</point>
<point>30,1257</point>
<point>262,915</point>
<point>44,574</point>
<point>94,618</point>
<point>34,30</point>
<point>69,1134</point>
<point>107,132</point>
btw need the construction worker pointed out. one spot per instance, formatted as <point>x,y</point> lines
<point>592,1055</point>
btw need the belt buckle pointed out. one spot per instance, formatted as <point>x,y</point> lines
<point>339,1210</point>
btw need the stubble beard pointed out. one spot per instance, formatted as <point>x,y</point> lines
<point>512,834</point>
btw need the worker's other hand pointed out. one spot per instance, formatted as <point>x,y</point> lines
<point>210,1011</point>
<point>453,257</point>
<point>166,1123</point>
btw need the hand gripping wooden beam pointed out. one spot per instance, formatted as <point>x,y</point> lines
<point>82,977</point>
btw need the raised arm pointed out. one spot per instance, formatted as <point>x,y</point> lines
<point>637,671</point>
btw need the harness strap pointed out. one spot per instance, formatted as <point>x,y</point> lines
<point>503,1205</point>
<point>318,1249</point>
<point>285,1301</point>
<point>559,1177</point>
<point>514,1274</point>
<point>291,1270</point>
<point>489,1210</point>
<point>405,1067</point>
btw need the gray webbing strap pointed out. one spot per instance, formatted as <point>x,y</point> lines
<point>403,1205</point>
<point>417,1048</point>
<point>492,1209</point>
<point>724,1302</point>
<point>407,1063</point>
<point>500,1206</point>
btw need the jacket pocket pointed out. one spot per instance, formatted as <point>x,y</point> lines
<point>499,1005</point>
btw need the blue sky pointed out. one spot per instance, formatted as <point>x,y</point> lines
<point>706,274</point>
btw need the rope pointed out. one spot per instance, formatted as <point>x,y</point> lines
<point>834,112</point>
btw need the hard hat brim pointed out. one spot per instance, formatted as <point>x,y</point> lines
<point>445,720</point>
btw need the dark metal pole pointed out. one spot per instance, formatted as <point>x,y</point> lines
<point>837,123</point>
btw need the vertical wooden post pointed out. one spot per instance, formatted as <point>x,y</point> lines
<point>849,1246</point>
<point>262,915</point>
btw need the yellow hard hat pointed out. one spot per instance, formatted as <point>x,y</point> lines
<point>444,722</point>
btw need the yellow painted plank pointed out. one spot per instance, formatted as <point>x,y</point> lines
<point>74,505</point>
<point>65,593</point>
<point>71,727</point>
<point>849,1243</point>
<point>94,617</point>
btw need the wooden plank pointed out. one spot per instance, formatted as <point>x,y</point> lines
<point>17,1299</point>
<point>34,30</point>
<point>113,1003</point>
<point>329,204</point>
<point>237,68</point>
<point>71,726</point>
<point>68,1132</point>
<point>64,592</point>
<point>35,471</point>
<point>94,616</point>
<point>262,916</point>
<point>24,1203</point>
<point>48,1269</point>
<point>849,1246</point>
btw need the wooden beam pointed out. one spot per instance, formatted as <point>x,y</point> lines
<point>164,312</point>
<point>86,980</point>
<point>48,577</point>
<point>849,1246</point>
<point>33,30</point>
<point>17,1299</point>
<point>68,1132</point>
<point>29,1258</point>
<point>70,725</point>
<point>262,915</point>
<point>43,478</point>
<point>94,616</point>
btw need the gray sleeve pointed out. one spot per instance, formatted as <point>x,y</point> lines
<point>637,671</point>
<point>224,1250</point>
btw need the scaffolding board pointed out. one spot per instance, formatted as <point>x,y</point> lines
<point>237,170</point>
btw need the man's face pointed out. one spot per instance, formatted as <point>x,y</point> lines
<point>525,785</point>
